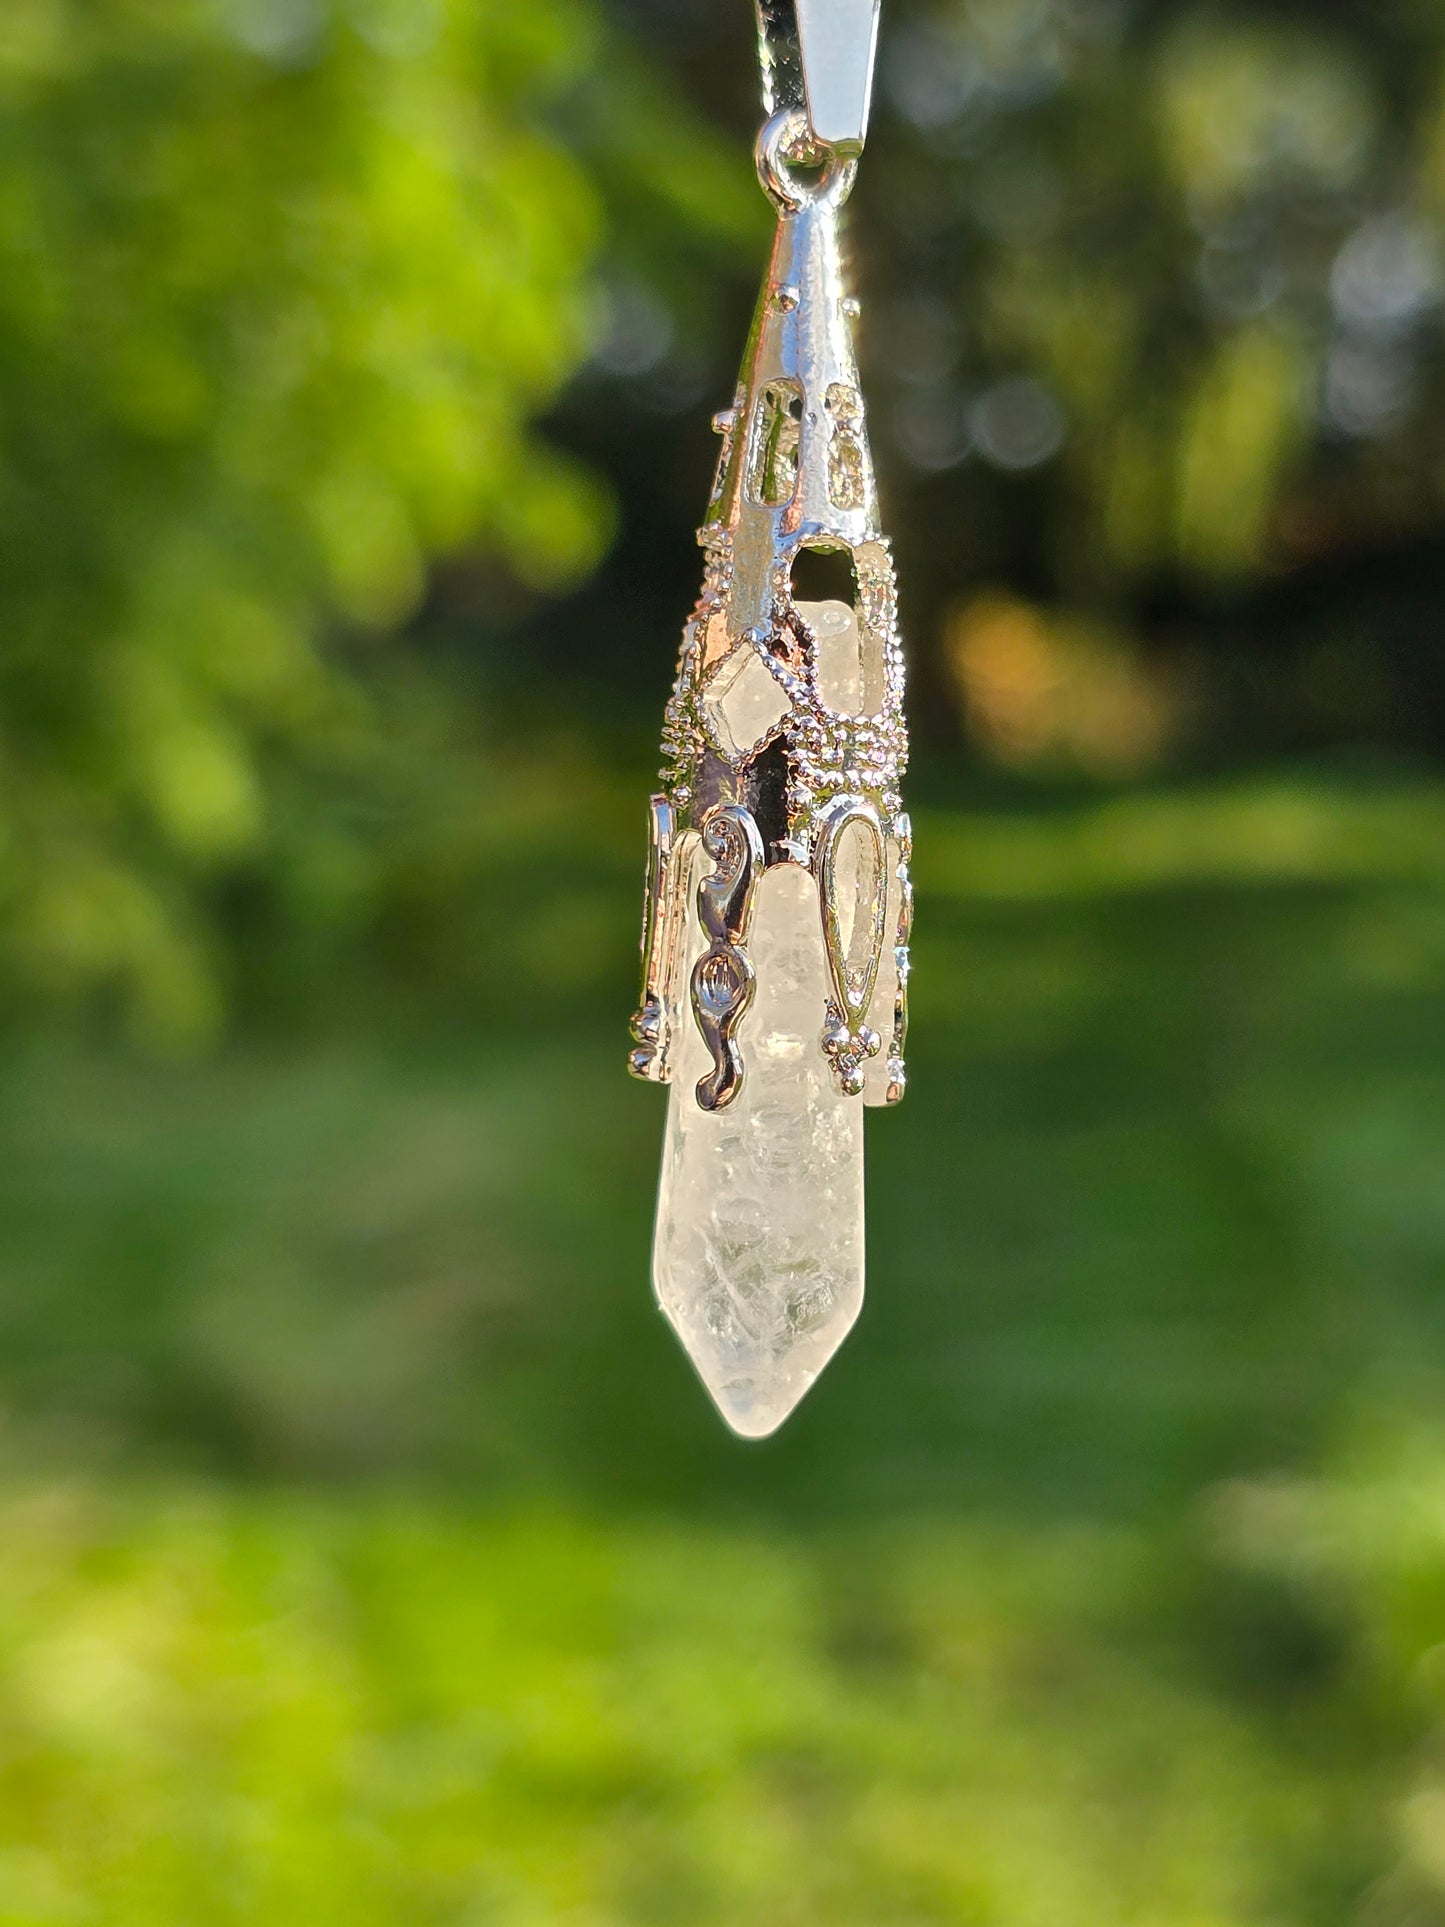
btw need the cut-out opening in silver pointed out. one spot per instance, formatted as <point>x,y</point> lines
<point>847,457</point>
<point>848,656</point>
<point>773,454</point>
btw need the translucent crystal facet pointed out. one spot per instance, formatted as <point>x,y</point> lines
<point>758,1258</point>
<point>743,701</point>
<point>835,638</point>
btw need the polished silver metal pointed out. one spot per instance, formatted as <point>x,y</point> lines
<point>839,40</point>
<point>784,739</point>
<point>818,56</point>
<point>722,978</point>
<point>651,1032</point>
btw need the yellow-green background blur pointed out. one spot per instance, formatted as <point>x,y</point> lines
<point>369,1556</point>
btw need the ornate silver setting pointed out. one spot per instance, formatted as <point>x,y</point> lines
<point>722,977</point>
<point>784,739</point>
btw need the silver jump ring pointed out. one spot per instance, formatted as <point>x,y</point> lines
<point>784,139</point>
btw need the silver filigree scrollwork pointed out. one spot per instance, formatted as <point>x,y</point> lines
<point>722,977</point>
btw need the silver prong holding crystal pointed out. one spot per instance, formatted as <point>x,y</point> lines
<point>779,905</point>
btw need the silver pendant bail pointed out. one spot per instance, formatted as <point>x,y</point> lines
<point>817,56</point>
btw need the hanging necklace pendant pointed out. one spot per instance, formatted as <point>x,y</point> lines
<point>775,945</point>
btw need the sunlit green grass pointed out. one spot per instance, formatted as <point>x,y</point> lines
<point>370,1554</point>
<point>242,1708</point>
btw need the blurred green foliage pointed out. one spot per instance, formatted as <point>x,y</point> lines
<point>366,1552</point>
<point>1208,241</point>
<point>285,285</point>
<point>222,1711</point>
<point>283,290</point>
<point>1151,338</point>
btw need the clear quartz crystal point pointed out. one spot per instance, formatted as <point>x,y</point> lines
<point>758,1257</point>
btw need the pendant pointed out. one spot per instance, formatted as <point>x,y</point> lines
<point>775,942</point>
